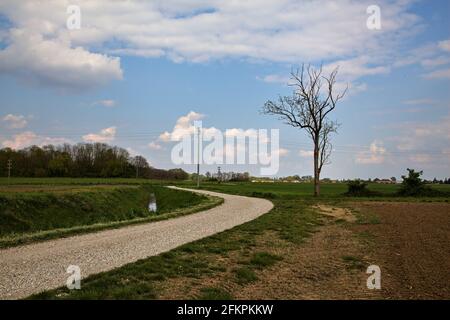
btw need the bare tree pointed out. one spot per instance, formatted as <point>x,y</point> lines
<point>140,163</point>
<point>308,108</point>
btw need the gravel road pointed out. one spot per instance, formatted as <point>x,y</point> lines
<point>33,268</point>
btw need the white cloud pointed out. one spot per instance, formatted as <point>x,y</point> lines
<point>275,78</point>
<point>29,138</point>
<point>15,121</point>
<point>41,48</point>
<point>105,135</point>
<point>54,62</point>
<point>435,62</point>
<point>306,153</point>
<point>349,71</point>
<point>106,103</point>
<point>445,45</point>
<point>21,140</point>
<point>183,126</point>
<point>282,152</point>
<point>438,74</point>
<point>375,154</point>
<point>420,136</point>
<point>154,146</point>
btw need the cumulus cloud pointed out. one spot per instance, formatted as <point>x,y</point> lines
<point>41,48</point>
<point>54,62</point>
<point>15,121</point>
<point>375,155</point>
<point>29,138</point>
<point>105,135</point>
<point>21,140</point>
<point>154,146</point>
<point>183,126</point>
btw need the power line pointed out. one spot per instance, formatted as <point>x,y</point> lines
<point>337,148</point>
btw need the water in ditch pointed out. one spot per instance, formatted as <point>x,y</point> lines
<point>152,203</point>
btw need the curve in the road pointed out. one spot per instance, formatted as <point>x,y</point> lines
<point>33,268</point>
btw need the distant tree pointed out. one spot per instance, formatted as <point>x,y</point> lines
<point>412,184</point>
<point>60,165</point>
<point>81,160</point>
<point>394,179</point>
<point>139,163</point>
<point>178,174</point>
<point>308,108</point>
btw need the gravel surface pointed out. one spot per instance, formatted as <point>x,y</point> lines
<point>33,268</point>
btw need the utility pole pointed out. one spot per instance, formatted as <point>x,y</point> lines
<point>9,170</point>
<point>198,157</point>
<point>219,175</point>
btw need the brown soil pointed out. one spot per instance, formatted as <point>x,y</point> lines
<point>412,248</point>
<point>409,241</point>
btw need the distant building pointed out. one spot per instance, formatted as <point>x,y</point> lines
<point>385,181</point>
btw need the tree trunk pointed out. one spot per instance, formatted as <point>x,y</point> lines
<point>316,169</point>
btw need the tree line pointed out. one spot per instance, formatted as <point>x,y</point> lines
<point>97,160</point>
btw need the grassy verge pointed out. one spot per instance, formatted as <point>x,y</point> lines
<point>31,217</point>
<point>235,256</point>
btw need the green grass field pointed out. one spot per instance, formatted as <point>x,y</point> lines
<point>305,190</point>
<point>243,188</point>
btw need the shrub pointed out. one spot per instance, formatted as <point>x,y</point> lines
<point>413,185</point>
<point>358,188</point>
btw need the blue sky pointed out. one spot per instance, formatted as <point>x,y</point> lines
<point>133,69</point>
